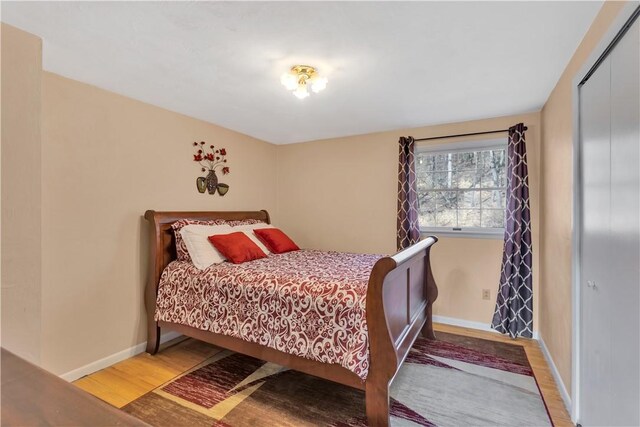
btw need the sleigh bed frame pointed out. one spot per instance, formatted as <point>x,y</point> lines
<point>400,295</point>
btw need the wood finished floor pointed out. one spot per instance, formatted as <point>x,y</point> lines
<point>128,380</point>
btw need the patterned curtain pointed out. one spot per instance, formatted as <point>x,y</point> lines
<point>408,229</point>
<point>514,305</point>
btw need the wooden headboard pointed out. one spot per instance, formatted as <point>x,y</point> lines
<point>162,242</point>
<point>162,247</point>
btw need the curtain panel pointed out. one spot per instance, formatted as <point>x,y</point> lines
<point>514,305</point>
<point>407,226</point>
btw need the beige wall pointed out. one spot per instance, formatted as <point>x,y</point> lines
<point>107,159</point>
<point>80,165</point>
<point>556,202</point>
<point>21,157</point>
<point>340,194</point>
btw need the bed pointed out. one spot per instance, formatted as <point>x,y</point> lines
<point>397,291</point>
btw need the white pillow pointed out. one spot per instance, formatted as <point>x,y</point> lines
<point>248,230</point>
<point>202,252</point>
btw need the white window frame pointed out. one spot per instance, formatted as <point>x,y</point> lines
<point>456,147</point>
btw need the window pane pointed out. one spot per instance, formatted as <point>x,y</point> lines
<point>468,178</point>
<point>493,199</point>
<point>446,199</point>
<point>444,162</point>
<point>444,180</point>
<point>493,218</point>
<point>468,160</point>
<point>446,217</point>
<point>427,218</point>
<point>469,199</point>
<point>425,162</point>
<point>494,169</point>
<point>446,204</point>
<point>423,180</point>
<point>427,209</point>
<point>427,200</point>
<point>468,218</point>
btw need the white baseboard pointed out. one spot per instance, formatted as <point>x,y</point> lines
<point>114,358</point>
<point>470,324</point>
<point>556,375</point>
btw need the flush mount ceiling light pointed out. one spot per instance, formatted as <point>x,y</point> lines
<point>299,76</point>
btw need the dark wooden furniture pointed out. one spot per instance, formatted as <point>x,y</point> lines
<point>32,396</point>
<point>400,295</point>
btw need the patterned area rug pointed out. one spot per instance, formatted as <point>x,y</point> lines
<point>453,381</point>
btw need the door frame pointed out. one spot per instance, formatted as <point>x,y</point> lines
<point>618,26</point>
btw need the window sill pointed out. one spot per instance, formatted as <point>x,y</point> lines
<point>468,234</point>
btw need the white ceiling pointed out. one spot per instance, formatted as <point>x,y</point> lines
<point>390,65</point>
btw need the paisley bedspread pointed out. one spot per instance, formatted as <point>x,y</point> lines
<point>306,303</point>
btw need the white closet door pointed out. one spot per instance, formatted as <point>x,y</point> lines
<point>625,232</point>
<point>610,250</point>
<point>596,217</point>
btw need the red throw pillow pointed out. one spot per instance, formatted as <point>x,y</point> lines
<point>236,247</point>
<point>276,240</point>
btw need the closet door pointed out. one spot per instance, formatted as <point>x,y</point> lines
<point>625,230</point>
<point>596,318</point>
<point>610,250</point>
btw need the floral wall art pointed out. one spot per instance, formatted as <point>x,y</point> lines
<point>210,160</point>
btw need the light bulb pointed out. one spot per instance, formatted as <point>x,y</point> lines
<point>301,92</point>
<point>319,84</point>
<point>289,81</point>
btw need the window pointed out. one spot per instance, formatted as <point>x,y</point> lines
<point>462,188</point>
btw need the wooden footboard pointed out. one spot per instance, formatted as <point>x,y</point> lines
<point>400,297</point>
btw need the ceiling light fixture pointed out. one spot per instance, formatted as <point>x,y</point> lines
<point>299,76</point>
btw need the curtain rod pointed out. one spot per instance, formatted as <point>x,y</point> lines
<point>465,134</point>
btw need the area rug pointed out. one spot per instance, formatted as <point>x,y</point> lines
<point>451,381</point>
